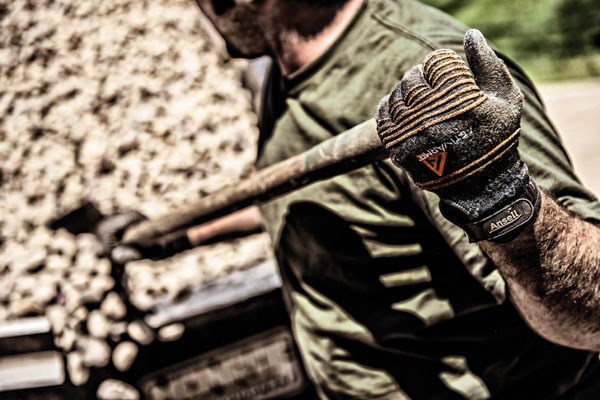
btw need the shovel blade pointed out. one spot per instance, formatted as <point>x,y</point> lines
<point>81,220</point>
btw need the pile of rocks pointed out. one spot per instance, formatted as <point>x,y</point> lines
<point>128,104</point>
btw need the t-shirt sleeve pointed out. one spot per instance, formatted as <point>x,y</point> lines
<point>542,149</point>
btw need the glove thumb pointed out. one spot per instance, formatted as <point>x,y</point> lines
<point>124,254</point>
<point>491,75</point>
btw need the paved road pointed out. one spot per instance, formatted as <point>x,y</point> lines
<point>575,109</point>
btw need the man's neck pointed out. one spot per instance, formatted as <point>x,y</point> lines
<point>295,50</point>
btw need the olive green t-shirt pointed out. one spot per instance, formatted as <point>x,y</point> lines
<point>387,298</point>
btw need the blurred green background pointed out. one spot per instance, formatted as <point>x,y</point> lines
<point>552,39</point>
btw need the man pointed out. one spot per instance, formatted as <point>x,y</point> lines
<point>389,299</point>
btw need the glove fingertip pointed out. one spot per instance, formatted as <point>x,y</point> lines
<point>474,37</point>
<point>124,254</point>
<point>479,53</point>
<point>491,74</point>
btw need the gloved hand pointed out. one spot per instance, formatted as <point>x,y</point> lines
<point>111,229</point>
<point>456,135</point>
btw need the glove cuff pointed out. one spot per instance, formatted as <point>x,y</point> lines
<point>503,223</point>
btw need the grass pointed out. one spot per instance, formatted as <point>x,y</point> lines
<point>551,39</point>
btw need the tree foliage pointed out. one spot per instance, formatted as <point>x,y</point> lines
<point>555,31</point>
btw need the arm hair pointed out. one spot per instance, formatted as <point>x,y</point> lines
<point>553,273</point>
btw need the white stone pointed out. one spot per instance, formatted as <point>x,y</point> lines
<point>94,148</point>
<point>124,355</point>
<point>87,242</point>
<point>58,262</point>
<point>77,316</point>
<point>80,279</point>
<point>171,332</point>
<point>7,285</point>
<point>30,260</point>
<point>66,340</point>
<point>72,297</point>
<point>181,158</point>
<point>25,285</point>
<point>78,373</point>
<point>103,266</point>
<point>63,243</point>
<point>142,301</point>
<point>117,330</point>
<point>112,389</point>
<point>173,283</point>
<point>156,181</point>
<point>86,260</point>
<point>113,307</point>
<point>41,237</point>
<point>95,352</point>
<point>97,324</point>
<point>140,332</point>
<point>24,307</point>
<point>44,292</point>
<point>57,316</point>
<point>96,289</point>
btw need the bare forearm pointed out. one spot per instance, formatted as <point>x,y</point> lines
<point>240,222</point>
<point>553,273</point>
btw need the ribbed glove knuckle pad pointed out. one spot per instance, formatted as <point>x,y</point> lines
<point>447,89</point>
<point>441,89</point>
<point>111,228</point>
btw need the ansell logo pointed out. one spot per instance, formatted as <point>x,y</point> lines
<point>508,220</point>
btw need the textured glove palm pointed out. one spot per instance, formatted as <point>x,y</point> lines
<point>457,134</point>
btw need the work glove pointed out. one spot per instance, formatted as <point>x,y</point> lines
<point>456,133</point>
<point>111,229</point>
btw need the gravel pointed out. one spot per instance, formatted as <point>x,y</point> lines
<point>78,373</point>
<point>124,355</point>
<point>113,307</point>
<point>112,389</point>
<point>140,332</point>
<point>130,105</point>
<point>170,333</point>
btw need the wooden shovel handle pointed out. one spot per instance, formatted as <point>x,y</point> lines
<point>349,150</point>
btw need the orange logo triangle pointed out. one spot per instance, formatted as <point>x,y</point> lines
<point>436,162</point>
